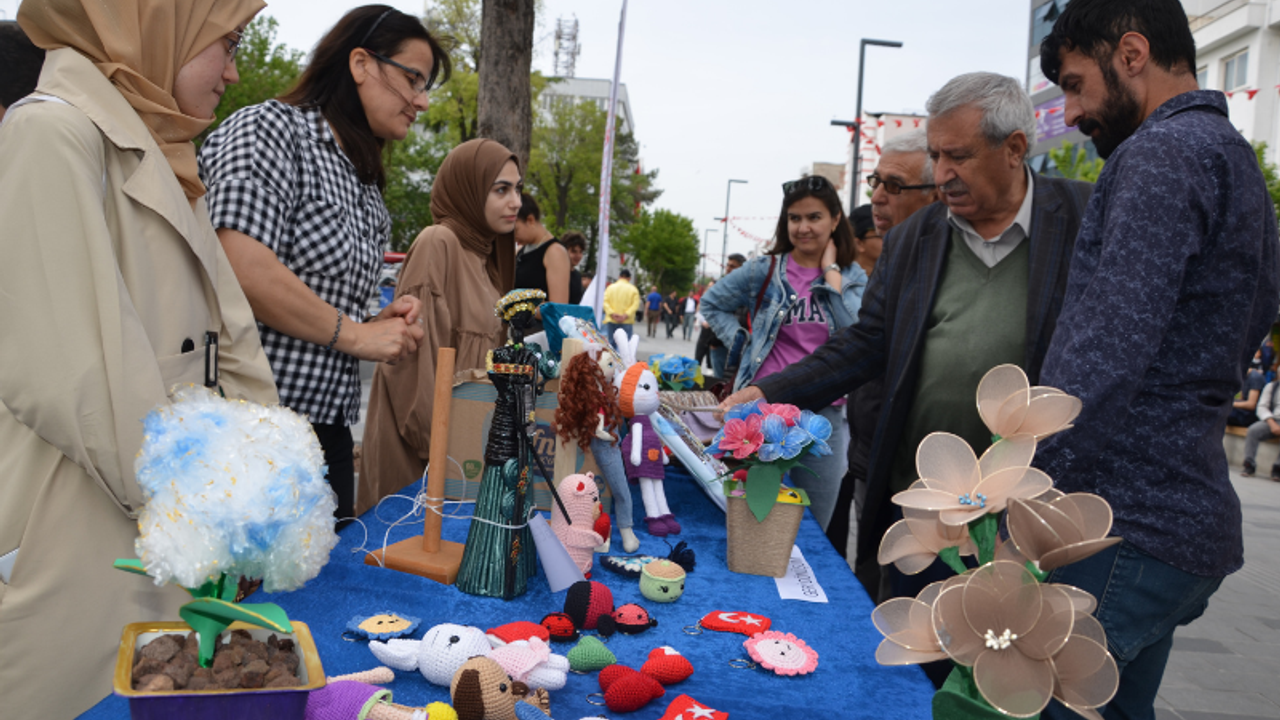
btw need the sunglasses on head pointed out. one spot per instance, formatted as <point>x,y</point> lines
<point>893,187</point>
<point>812,183</point>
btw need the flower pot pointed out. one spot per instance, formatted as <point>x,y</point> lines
<point>260,703</point>
<point>762,547</point>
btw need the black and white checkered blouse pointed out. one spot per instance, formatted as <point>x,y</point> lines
<point>275,173</point>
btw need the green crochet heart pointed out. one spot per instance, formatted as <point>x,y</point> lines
<point>590,655</point>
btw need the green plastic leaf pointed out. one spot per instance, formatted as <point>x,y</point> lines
<point>959,699</point>
<point>1039,574</point>
<point>983,533</point>
<point>133,566</point>
<point>951,556</point>
<point>210,616</point>
<point>763,482</point>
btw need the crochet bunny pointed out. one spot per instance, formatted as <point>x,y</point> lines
<point>642,454</point>
<point>582,500</point>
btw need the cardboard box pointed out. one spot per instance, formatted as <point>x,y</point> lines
<point>470,417</point>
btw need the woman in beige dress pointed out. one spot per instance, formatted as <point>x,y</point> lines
<point>458,268</point>
<point>112,279</point>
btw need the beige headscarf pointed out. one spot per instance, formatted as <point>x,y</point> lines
<point>140,45</point>
<point>458,197</point>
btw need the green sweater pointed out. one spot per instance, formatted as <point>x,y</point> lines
<point>978,321</point>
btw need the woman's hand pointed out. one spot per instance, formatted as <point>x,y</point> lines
<point>829,253</point>
<point>394,334</point>
<point>746,394</point>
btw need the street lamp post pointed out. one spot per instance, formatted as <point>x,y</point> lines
<point>855,171</point>
<point>705,235</point>
<point>724,244</point>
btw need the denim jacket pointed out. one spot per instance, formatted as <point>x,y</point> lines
<point>740,289</point>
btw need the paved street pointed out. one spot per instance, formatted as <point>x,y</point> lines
<point>1225,665</point>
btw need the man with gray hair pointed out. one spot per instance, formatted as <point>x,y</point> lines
<point>963,285</point>
<point>902,182</point>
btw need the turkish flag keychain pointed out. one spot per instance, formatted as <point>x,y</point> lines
<point>740,622</point>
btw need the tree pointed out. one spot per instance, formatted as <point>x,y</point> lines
<point>564,172</point>
<point>505,97</point>
<point>1269,174</point>
<point>266,70</point>
<point>452,115</point>
<point>1071,162</point>
<point>665,245</point>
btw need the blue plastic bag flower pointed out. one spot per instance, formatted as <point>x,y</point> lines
<point>742,411</point>
<point>818,428</point>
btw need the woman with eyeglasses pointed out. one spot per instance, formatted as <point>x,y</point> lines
<point>295,190</point>
<point>806,288</point>
<point>115,290</point>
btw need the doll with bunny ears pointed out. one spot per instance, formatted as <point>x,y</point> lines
<point>642,453</point>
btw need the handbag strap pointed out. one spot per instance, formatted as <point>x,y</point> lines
<point>773,261</point>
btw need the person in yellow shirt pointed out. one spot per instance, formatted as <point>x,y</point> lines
<point>621,301</point>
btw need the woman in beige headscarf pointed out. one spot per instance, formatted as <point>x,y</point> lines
<point>458,268</point>
<point>112,280</point>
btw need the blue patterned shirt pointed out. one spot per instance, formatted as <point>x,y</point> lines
<point>1172,287</point>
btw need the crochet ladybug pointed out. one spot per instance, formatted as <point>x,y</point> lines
<point>560,627</point>
<point>631,619</point>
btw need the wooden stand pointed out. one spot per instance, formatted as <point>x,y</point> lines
<point>427,555</point>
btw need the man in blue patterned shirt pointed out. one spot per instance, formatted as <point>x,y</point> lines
<point>1172,286</point>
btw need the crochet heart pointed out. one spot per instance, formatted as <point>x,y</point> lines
<point>667,666</point>
<point>626,690</point>
<point>590,655</point>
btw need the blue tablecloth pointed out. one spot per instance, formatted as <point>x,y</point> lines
<point>848,683</point>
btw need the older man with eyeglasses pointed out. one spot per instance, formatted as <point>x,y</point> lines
<point>902,182</point>
<point>963,285</point>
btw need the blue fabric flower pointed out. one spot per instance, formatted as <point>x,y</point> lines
<point>742,411</point>
<point>781,441</point>
<point>818,428</point>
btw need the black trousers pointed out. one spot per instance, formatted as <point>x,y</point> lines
<point>339,455</point>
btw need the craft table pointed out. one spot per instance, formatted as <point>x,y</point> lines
<point>847,684</point>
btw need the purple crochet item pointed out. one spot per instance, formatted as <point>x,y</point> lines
<point>343,700</point>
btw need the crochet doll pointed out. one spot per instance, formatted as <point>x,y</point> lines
<point>582,500</point>
<point>643,453</point>
<point>588,413</point>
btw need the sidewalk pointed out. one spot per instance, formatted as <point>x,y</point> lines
<point>1225,665</point>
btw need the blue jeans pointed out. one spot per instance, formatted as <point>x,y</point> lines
<point>718,356</point>
<point>823,484</point>
<point>1141,601</point>
<point>609,328</point>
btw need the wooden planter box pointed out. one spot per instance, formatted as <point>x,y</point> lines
<point>255,704</point>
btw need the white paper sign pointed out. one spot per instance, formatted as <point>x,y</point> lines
<point>799,583</point>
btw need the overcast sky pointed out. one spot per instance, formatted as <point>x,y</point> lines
<point>746,89</point>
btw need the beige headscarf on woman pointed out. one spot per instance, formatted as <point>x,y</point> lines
<point>458,198</point>
<point>140,45</point>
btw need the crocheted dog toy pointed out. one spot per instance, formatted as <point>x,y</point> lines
<point>626,690</point>
<point>586,602</point>
<point>439,653</point>
<point>582,501</point>
<point>532,663</point>
<point>662,581</point>
<point>642,453</point>
<point>481,690</point>
<point>686,708</point>
<point>631,619</point>
<point>667,666</point>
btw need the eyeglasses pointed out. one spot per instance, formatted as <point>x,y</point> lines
<point>812,183</point>
<point>233,39</point>
<point>417,81</point>
<point>893,187</point>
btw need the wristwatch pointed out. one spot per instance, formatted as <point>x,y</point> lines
<point>832,266</point>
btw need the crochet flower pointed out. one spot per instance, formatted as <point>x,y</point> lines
<point>789,413</point>
<point>783,653</point>
<point>1011,407</point>
<point>741,437</point>
<point>1007,627</point>
<point>913,542</point>
<point>781,441</point>
<point>1061,531</point>
<point>962,488</point>
<point>819,428</point>
<point>907,626</point>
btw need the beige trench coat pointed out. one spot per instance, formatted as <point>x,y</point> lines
<point>105,271</point>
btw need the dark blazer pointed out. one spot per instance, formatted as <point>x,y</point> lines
<point>888,338</point>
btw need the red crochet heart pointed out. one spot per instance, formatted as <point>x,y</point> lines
<point>667,666</point>
<point>626,690</point>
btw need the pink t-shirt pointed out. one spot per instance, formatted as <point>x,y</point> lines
<point>805,328</point>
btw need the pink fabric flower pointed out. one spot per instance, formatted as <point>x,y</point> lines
<point>790,413</point>
<point>742,437</point>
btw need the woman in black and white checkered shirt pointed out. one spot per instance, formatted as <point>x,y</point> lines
<point>295,190</point>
